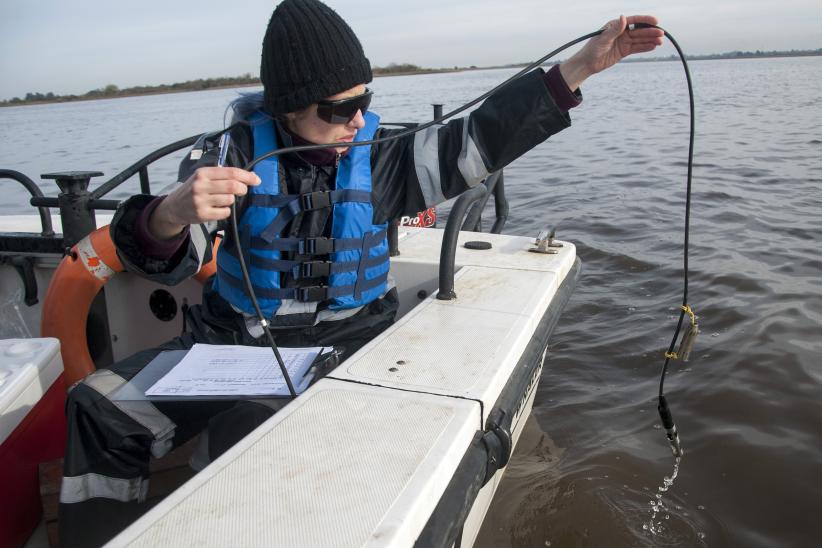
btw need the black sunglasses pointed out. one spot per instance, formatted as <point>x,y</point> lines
<point>344,110</point>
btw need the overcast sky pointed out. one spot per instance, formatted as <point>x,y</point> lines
<point>73,46</point>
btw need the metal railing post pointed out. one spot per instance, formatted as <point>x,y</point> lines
<point>73,201</point>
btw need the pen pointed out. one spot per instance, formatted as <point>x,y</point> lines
<point>225,139</point>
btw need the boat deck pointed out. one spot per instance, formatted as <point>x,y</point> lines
<point>363,457</point>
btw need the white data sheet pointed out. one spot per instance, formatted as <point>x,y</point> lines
<point>233,370</point>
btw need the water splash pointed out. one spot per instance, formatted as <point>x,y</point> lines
<point>658,505</point>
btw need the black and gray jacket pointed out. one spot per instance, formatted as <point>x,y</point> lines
<point>409,174</point>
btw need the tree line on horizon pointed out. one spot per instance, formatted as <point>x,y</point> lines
<point>112,91</point>
<point>741,55</point>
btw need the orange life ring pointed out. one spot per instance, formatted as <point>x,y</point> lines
<point>77,280</point>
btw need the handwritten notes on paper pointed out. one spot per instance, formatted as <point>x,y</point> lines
<point>229,370</point>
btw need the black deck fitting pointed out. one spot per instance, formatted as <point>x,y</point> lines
<point>73,201</point>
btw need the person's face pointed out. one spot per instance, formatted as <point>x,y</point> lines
<point>308,125</point>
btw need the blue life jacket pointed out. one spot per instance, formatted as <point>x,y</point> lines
<point>350,268</point>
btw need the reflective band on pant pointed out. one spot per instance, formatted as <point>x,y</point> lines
<point>141,411</point>
<point>88,486</point>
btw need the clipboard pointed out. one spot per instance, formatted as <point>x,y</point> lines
<point>135,390</point>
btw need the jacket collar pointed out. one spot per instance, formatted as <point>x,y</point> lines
<point>319,157</point>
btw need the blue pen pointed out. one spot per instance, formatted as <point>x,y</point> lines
<point>225,139</point>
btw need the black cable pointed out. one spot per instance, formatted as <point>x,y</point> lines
<point>225,139</point>
<point>249,166</point>
<point>263,322</point>
<point>664,411</point>
<point>662,407</point>
<point>426,125</point>
<point>687,210</point>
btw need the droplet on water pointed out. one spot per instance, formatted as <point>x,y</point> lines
<point>700,507</point>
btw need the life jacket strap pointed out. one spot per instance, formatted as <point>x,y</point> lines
<point>314,293</point>
<point>311,201</point>
<point>269,201</point>
<point>323,292</point>
<point>313,246</point>
<point>368,241</point>
<point>309,269</point>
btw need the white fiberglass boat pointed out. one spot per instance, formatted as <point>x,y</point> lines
<point>402,444</point>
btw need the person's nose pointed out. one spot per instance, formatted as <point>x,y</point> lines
<point>358,121</point>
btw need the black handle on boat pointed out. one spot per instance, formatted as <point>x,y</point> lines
<point>495,185</point>
<point>449,240</point>
<point>34,190</point>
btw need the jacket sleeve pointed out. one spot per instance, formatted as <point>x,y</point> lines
<point>196,250</point>
<point>423,169</point>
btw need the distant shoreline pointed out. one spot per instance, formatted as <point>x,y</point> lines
<point>113,92</point>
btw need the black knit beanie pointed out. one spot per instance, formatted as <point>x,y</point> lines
<point>309,53</point>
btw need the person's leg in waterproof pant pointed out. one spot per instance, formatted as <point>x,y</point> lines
<point>110,443</point>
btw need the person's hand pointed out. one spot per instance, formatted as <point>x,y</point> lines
<point>206,196</point>
<point>606,49</point>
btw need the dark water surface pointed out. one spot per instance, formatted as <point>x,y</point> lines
<point>593,454</point>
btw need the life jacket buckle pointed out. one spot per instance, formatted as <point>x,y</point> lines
<point>314,293</point>
<point>315,246</point>
<point>315,200</point>
<point>313,269</point>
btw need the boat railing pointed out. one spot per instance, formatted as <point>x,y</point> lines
<point>141,168</point>
<point>77,205</point>
<point>495,185</point>
<point>34,190</point>
<point>448,250</point>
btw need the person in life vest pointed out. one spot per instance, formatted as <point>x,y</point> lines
<point>312,225</point>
